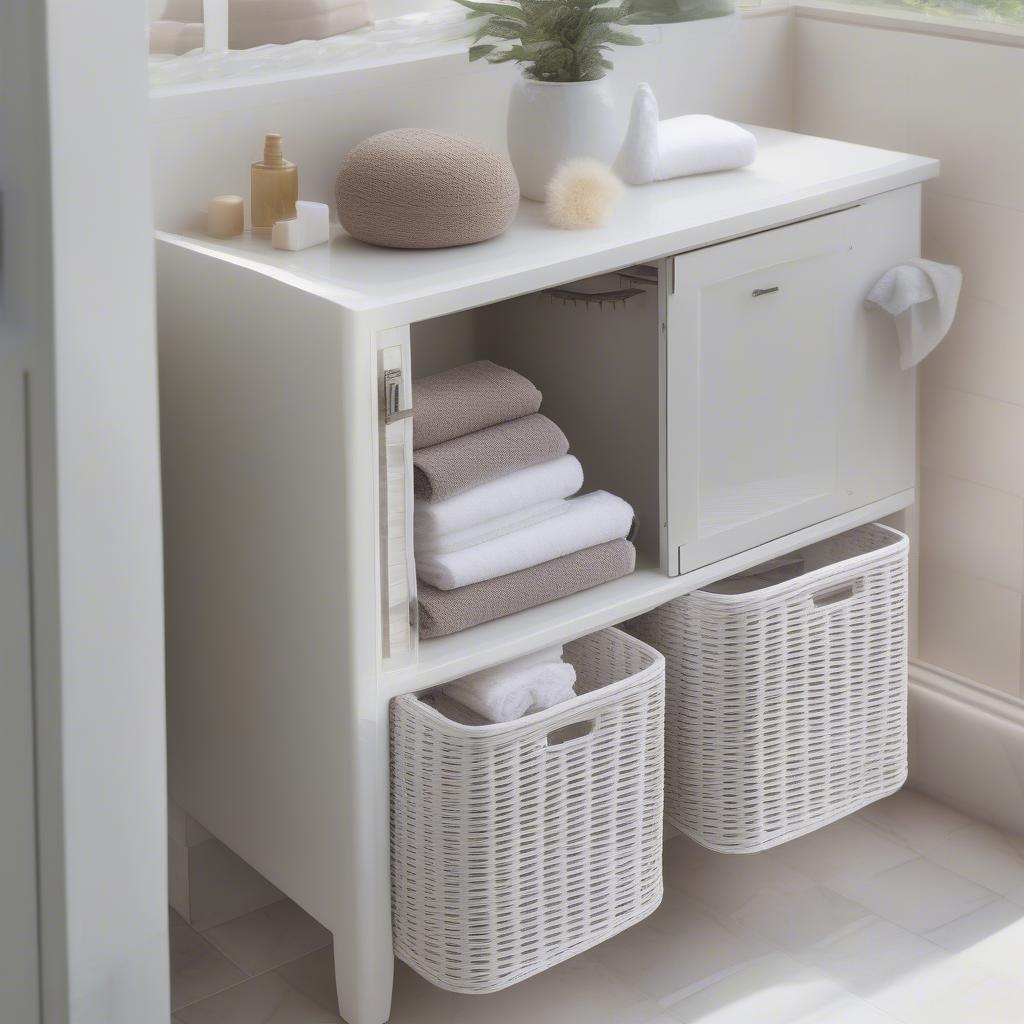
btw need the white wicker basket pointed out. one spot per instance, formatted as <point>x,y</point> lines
<point>786,706</point>
<point>518,845</point>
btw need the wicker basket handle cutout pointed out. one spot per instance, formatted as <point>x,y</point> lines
<point>571,735</point>
<point>837,595</point>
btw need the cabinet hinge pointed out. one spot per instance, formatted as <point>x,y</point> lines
<point>393,411</point>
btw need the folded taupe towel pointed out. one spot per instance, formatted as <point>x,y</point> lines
<point>448,611</point>
<point>449,468</point>
<point>468,398</point>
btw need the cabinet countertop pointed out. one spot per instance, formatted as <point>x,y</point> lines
<point>794,177</point>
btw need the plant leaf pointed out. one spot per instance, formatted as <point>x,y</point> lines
<point>503,10</point>
<point>620,38</point>
<point>555,40</point>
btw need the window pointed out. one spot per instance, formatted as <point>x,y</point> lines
<point>181,26</point>
<point>1007,11</point>
<point>212,40</point>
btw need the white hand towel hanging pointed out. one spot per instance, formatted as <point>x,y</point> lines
<point>656,150</point>
<point>922,296</point>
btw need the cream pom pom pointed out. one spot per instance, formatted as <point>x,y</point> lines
<point>581,194</point>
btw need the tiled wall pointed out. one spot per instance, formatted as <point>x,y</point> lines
<point>962,102</point>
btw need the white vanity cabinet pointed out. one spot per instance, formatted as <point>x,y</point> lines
<point>786,405</point>
<point>743,400</point>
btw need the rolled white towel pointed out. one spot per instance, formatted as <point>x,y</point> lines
<point>655,150</point>
<point>492,529</point>
<point>591,519</point>
<point>556,478</point>
<point>507,692</point>
<point>699,144</point>
<point>922,296</point>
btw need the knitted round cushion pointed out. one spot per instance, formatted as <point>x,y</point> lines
<point>413,188</point>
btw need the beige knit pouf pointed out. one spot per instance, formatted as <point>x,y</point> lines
<point>414,188</point>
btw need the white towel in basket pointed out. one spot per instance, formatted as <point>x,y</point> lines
<point>507,692</point>
<point>556,478</point>
<point>591,519</point>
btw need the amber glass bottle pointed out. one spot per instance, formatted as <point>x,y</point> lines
<point>275,185</point>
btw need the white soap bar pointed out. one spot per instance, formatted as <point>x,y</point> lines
<point>311,226</point>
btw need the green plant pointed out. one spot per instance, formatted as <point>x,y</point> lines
<point>554,40</point>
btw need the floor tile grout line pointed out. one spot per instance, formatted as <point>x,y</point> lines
<point>757,945</point>
<point>674,998</point>
<point>801,957</point>
<point>919,849</point>
<point>745,932</point>
<point>995,897</point>
<point>203,934</point>
<point>213,945</point>
<point>249,977</point>
<point>237,918</point>
<point>768,946</point>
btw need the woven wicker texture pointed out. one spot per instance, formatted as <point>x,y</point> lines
<point>511,852</point>
<point>413,188</point>
<point>786,707</point>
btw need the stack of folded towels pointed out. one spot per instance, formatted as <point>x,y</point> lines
<point>496,529</point>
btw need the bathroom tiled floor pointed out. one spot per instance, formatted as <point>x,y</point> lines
<point>907,912</point>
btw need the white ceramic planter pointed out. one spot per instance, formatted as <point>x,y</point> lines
<point>549,122</point>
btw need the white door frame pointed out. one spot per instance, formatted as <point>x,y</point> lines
<point>83,854</point>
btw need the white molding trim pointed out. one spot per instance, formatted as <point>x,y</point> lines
<point>959,688</point>
<point>767,9</point>
<point>967,746</point>
<point>969,29</point>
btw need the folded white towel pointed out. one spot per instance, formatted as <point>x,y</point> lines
<point>591,519</point>
<point>492,529</point>
<point>699,143</point>
<point>509,691</point>
<point>556,478</point>
<point>656,150</point>
<point>922,295</point>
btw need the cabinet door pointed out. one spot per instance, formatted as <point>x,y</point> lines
<point>773,374</point>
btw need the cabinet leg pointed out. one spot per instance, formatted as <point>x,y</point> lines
<point>364,988</point>
<point>364,961</point>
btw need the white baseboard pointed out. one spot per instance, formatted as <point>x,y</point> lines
<point>967,746</point>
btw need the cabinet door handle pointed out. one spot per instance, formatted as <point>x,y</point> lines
<point>758,292</point>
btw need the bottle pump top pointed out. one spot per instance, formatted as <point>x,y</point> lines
<point>273,151</point>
